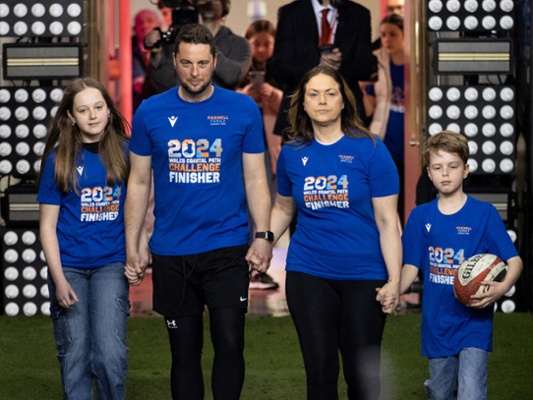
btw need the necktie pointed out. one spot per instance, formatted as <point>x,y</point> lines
<point>325,37</point>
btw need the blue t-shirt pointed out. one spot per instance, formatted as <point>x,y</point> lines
<point>197,151</point>
<point>90,226</point>
<point>438,244</point>
<point>333,185</point>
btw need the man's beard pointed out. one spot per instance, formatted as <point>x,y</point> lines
<point>185,86</point>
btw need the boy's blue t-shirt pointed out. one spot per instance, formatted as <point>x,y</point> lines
<point>197,160</point>
<point>438,244</point>
<point>90,226</point>
<point>333,185</point>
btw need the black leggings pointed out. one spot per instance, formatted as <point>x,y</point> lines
<point>186,342</point>
<point>333,315</point>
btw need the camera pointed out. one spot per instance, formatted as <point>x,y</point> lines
<point>183,13</point>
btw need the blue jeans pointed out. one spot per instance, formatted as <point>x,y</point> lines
<point>91,335</point>
<point>461,377</point>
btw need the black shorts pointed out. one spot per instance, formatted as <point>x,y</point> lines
<point>183,285</point>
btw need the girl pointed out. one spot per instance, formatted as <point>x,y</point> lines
<point>81,196</point>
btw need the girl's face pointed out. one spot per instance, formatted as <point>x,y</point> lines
<point>90,113</point>
<point>262,46</point>
<point>391,38</point>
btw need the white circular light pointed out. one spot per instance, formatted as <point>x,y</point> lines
<point>21,96</point>
<point>453,112</point>
<point>12,309</point>
<point>38,10</point>
<point>453,5</point>
<point>471,112</point>
<point>4,28</point>
<point>11,291</point>
<point>506,112</point>
<point>471,5</point>
<point>471,129</point>
<point>53,111</point>
<point>5,131</point>
<point>45,308</point>
<point>435,23</point>
<point>11,256</point>
<point>11,274</point>
<point>74,10</point>
<point>506,165</point>
<point>472,147</point>
<point>488,5</point>
<point>38,148</point>
<point>22,113</point>
<point>5,167</point>
<point>22,149</point>
<point>42,257</point>
<point>29,273</point>
<point>29,309</point>
<point>488,22</point>
<point>29,238</point>
<point>44,273</point>
<point>56,28</point>
<point>472,164</point>
<point>435,94</point>
<point>74,28</point>
<point>37,166</point>
<point>435,112</point>
<point>507,94</point>
<point>488,147</point>
<point>435,6</point>
<point>506,5</point>
<point>5,113</point>
<point>29,255</point>
<point>38,95</point>
<point>5,149</point>
<point>511,291</point>
<point>453,23</point>
<point>453,127</point>
<point>11,238</point>
<point>506,130</point>
<point>506,148</point>
<point>4,10</point>
<point>488,112</point>
<point>39,113</point>
<point>20,10</point>
<point>4,95</point>
<point>56,95</point>
<point>508,306</point>
<point>453,94</point>
<point>489,94</point>
<point>56,10</point>
<point>434,129</point>
<point>39,131</point>
<point>488,165</point>
<point>38,28</point>
<point>20,28</point>
<point>22,167</point>
<point>488,130</point>
<point>471,22</point>
<point>22,131</point>
<point>29,291</point>
<point>471,94</point>
<point>506,22</point>
<point>45,292</point>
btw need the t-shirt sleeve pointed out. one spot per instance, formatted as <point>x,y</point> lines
<point>383,175</point>
<point>284,184</point>
<point>413,248</point>
<point>140,142</point>
<point>253,140</point>
<point>48,193</point>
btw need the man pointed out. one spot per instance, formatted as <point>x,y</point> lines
<point>395,7</point>
<point>234,55</point>
<point>206,148</point>
<point>302,43</point>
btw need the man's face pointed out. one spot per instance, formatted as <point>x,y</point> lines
<point>395,6</point>
<point>209,9</point>
<point>195,66</point>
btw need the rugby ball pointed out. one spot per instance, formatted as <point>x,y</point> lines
<point>473,271</point>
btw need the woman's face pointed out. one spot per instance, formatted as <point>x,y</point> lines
<point>262,46</point>
<point>323,101</point>
<point>391,38</point>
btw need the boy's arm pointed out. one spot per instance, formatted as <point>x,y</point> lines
<point>497,289</point>
<point>409,274</point>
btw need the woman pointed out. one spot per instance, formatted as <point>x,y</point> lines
<point>385,100</point>
<point>344,185</point>
<point>81,195</point>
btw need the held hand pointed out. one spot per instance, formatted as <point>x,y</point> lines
<point>135,268</point>
<point>259,255</point>
<point>134,279</point>
<point>66,296</point>
<point>389,297</point>
<point>494,291</point>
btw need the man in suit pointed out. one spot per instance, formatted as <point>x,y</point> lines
<point>300,45</point>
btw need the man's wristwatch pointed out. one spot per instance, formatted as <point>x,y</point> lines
<point>267,235</point>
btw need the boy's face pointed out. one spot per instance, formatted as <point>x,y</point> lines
<point>447,172</point>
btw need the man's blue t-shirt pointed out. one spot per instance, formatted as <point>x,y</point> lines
<point>197,160</point>
<point>438,244</point>
<point>90,226</point>
<point>333,185</point>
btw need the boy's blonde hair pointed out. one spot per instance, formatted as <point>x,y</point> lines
<point>448,141</point>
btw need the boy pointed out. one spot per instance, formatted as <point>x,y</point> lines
<point>438,237</point>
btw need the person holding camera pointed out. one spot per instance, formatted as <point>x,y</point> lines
<point>233,52</point>
<point>333,33</point>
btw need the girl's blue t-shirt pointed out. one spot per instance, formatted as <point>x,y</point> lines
<point>90,226</point>
<point>333,185</point>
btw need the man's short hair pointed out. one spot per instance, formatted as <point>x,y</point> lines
<point>195,34</point>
